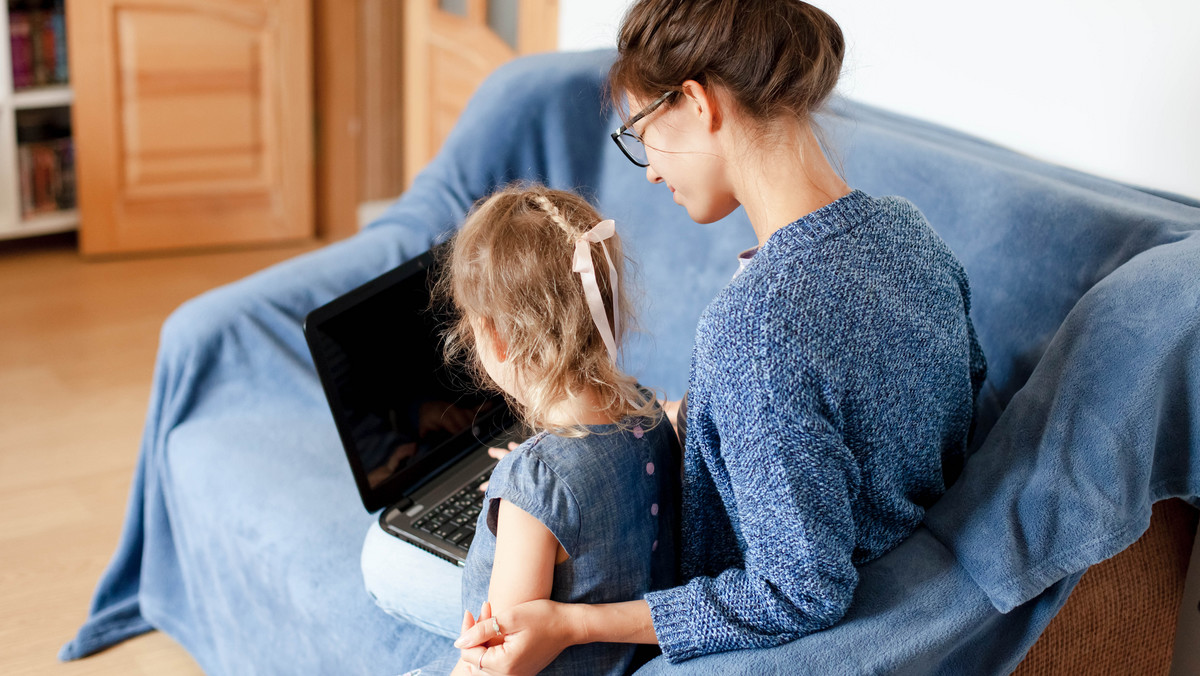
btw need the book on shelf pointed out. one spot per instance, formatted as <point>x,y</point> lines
<point>22,50</point>
<point>58,23</point>
<point>47,176</point>
<point>38,41</point>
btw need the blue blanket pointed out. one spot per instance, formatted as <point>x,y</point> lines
<point>243,530</point>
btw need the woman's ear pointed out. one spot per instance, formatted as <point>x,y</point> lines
<point>703,103</point>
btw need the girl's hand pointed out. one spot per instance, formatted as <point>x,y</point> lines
<point>531,635</point>
<point>462,668</point>
<point>498,453</point>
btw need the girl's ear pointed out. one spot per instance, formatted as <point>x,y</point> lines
<point>495,342</point>
<point>703,103</point>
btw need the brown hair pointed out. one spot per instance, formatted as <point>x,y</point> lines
<point>772,57</point>
<point>511,264</point>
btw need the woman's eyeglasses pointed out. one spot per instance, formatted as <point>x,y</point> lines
<point>627,139</point>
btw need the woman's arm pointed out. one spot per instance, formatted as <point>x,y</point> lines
<point>626,622</point>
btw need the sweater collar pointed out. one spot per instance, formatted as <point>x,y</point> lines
<point>841,215</point>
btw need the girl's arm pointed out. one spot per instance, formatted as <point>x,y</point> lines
<point>526,552</point>
<point>523,569</point>
<point>533,629</point>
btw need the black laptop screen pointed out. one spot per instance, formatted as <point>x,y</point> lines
<point>401,411</point>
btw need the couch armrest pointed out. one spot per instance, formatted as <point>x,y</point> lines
<point>1093,632</point>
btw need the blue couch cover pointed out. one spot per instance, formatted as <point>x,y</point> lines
<point>244,529</point>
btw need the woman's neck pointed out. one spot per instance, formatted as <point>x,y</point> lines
<point>778,183</point>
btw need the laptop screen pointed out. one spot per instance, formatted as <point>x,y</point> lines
<point>403,414</point>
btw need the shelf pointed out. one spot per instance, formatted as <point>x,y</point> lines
<point>31,115</point>
<point>43,97</point>
<point>44,224</point>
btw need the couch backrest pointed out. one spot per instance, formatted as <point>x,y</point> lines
<point>1033,237</point>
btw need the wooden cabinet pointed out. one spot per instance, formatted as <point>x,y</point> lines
<point>193,122</point>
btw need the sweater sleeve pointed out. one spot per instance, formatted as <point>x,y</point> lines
<point>793,480</point>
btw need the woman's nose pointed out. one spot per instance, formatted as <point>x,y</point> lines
<point>652,175</point>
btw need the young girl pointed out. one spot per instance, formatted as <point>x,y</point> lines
<point>833,380</point>
<point>582,512</point>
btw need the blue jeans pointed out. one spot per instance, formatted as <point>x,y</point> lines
<point>412,584</point>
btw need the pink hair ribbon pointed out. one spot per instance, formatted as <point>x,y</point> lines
<point>591,288</point>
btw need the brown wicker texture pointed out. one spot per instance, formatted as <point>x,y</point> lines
<point>1121,617</point>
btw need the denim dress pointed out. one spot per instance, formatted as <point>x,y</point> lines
<point>611,500</point>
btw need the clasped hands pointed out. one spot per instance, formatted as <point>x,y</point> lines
<point>530,636</point>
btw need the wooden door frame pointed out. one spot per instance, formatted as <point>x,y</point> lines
<point>358,126</point>
<point>380,59</point>
<point>338,123</point>
<point>357,71</point>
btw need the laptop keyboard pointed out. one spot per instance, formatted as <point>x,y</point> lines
<point>454,518</point>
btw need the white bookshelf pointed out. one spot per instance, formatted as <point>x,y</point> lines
<point>42,97</point>
<point>12,223</point>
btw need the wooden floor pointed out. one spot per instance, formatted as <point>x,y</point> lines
<point>77,345</point>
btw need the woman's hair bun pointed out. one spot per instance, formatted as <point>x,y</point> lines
<point>772,57</point>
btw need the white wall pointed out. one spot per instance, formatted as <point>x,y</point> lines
<point>589,24</point>
<point>1111,88</point>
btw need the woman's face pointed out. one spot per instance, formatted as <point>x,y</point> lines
<point>685,153</point>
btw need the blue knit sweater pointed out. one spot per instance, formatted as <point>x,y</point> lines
<point>831,380</point>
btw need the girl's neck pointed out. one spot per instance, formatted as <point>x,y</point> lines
<point>583,408</point>
<point>778,183</point>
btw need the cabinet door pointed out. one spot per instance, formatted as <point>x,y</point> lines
<point>192,122</point>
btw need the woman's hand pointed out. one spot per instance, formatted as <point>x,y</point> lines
<point>671,409</point>
<point>531,635</point>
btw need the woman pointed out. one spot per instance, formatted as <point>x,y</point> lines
<point>831,379</point>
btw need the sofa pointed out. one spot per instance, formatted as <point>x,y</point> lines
<point>244,528</point>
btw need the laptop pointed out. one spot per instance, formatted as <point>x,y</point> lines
<point>414,428</point>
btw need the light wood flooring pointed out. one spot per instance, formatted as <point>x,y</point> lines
<point>77,346</point>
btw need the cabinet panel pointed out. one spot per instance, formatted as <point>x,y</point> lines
<point>193,122</point>
<point>192,98</point>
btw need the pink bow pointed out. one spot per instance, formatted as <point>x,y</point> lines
<point>591,289</point>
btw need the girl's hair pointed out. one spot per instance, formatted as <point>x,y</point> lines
<point>511,265</point>
<point>773,57</point>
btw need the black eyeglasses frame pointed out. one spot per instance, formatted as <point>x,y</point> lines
<point>627,128</point>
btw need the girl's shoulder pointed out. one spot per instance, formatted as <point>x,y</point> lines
<point>527,451</point>
<point>559,480</point>
<point>603,440</point>
<point>595,458</point>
